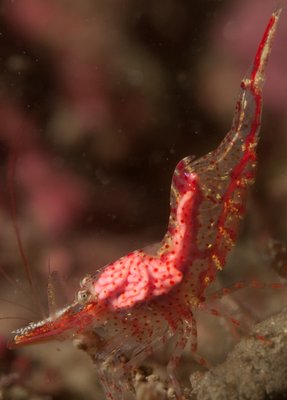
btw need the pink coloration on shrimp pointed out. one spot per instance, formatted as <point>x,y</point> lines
<point>142,300</point>
<point>140,276</point>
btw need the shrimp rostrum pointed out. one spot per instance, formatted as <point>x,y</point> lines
<point>144,299</point>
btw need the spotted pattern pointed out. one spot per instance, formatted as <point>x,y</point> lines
<point>143,300</point>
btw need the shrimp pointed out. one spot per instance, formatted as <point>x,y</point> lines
<point>145,299</point>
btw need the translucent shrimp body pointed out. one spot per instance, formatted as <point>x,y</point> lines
<point>142,300</point>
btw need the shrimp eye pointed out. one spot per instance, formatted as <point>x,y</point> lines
<point>83,296</point>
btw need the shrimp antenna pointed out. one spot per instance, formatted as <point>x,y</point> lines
<point>17,305</point>
<point>21,318</point>
<point>13,212</point>
<point>14,283</point>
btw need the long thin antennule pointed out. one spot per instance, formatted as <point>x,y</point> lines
<point>9,279</point>
<point>17,305</point>
<point>13,283</point>
<point>21,318</point>
<point>26,264</point>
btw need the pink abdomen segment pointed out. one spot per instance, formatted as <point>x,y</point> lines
<point>207,201</point>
